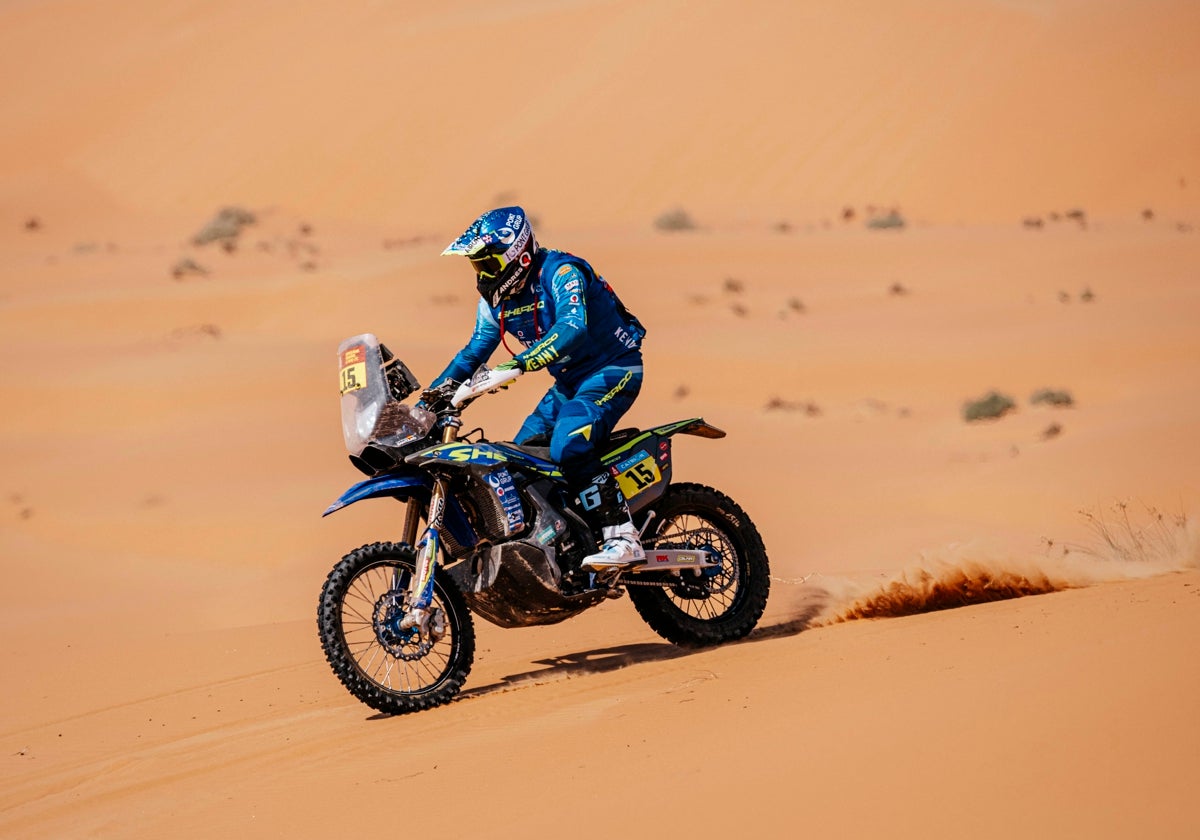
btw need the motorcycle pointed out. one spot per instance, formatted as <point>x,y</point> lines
<point>490,529</point>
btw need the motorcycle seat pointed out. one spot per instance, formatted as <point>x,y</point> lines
<point>542,453</point>
<point>539,445</point>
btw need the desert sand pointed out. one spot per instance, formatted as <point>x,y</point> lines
<point>172,435</point>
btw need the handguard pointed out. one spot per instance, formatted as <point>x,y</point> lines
<point>484,381</point>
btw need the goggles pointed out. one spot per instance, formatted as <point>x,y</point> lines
<point>490,265</point>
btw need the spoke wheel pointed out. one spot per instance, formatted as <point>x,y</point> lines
<point>391,668</point>
<point>713,605</point>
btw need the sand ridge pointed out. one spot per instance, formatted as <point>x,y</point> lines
<point>172,435</point>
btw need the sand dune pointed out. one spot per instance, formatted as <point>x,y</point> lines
<point>602,113</point>
<point>172,435</point>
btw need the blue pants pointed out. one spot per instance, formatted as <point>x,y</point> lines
<point>581,419</point>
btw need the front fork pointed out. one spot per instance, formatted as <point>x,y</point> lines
<point>420,591</point>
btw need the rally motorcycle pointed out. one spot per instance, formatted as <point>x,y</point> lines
<point>490,529</point>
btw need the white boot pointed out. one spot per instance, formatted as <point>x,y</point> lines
<point>622,549</point>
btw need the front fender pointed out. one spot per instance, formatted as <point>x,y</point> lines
<point>402,487</point>
<point>405,487</point>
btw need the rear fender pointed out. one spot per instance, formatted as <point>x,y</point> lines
<point>642,464</point>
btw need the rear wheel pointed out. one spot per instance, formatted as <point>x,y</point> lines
<point>713,605</point>
<point>392,669</point>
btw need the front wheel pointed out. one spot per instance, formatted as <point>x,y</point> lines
<point>388,667</point>
<point>713,605</point>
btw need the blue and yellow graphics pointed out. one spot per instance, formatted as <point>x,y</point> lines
<point>482,455</point>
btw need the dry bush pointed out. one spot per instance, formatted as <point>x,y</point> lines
<point>892,220</point>
<point>225,226</point>
<point>1055,397</point>
<point>989,407</point>
<point>1150,536</point>
<point>187,267</point>
<point>674,220</point>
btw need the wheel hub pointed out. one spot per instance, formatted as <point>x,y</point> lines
<point>407,642</point>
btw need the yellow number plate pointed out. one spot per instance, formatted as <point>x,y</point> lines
<point>353,374</point>
<point>637,478</point>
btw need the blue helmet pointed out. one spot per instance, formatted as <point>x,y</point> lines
<point>501,247</point>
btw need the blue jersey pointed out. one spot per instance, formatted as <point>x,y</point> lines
<point>567,318</point>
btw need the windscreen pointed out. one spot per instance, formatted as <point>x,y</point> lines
<point>369,412</point>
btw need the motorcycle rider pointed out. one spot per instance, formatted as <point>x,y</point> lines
<point>572,323</point>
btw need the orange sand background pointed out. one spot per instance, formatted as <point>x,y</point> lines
<point>168,444</point>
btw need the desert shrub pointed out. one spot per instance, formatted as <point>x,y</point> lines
<point>673,220</point>
<point>225,226</point>
<point>187,266</point>
<point>1053,397</point>
<point>989,407</point>
<point>1148,536</point>
<point>890,220</point>
<point>809,407</point>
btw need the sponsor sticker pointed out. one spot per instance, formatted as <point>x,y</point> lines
<point>640,455</point>
<point>502,485</point>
